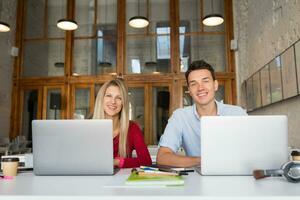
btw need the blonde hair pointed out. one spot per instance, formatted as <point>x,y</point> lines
<point>123,115</point>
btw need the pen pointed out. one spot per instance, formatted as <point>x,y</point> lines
<point>149,168</point>
<point>187,170</point>
<point>173,171</point>
<point>181,172</point>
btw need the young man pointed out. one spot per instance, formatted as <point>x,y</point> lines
<point>183,129</point>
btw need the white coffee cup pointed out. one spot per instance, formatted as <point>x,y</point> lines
<point>10,166</point>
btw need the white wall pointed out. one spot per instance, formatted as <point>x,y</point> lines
<point>6,64</point>
<point>264,29</point>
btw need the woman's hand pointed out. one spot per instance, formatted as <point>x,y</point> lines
<point>116,162</point>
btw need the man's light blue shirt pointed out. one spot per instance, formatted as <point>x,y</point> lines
<point>183,128</point>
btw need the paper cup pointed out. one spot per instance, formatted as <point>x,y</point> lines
<point>10,166</point>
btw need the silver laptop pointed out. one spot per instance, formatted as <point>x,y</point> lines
<point>72,147</point>
<point>236,145</point>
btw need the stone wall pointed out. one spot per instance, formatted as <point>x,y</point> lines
<point>8,15</point>
<point>264,29</point>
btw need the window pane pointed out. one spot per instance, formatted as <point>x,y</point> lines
<point>54,104</point>
<point>249,93</point>
<point>85,17</point>
<point>158,13</point>
<point>289,78</point>
<point>209,48</point>
<point>99,56</point>
<point>220,94</point>
<point>56,10</point>
<point>163,42</point>
<point>106,50</point>
<point>50,59</point>
<point>256,90</point>
<point>191,19</point>
<point>35,18</point>
<point>35,15</point>
<point>30,111</point>
<point>275,76</point>
<point>84,57</point>
<point>107,13</point>
<point>147,55</point>
<point>187,99</point>
<point>297,51</point>
<point>265,85</point>
<point>161,103</point>
<point>82,103</point>
<point>136,106</point>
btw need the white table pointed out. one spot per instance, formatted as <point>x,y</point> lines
<point>28,186</point>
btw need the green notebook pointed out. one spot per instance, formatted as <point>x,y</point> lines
<point>136,180</point>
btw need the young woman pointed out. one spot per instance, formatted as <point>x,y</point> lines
<point>112,103</point>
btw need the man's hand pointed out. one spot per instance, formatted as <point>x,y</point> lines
<point>165,156</point>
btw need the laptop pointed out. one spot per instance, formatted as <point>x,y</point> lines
<point>72,147</point>
<point>236,145</point>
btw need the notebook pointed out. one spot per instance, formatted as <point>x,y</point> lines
<point>72,147</point>
<point>135,179</point>
<point>236,145</point>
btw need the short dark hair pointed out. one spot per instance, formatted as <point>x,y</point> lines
<point>197,65</point>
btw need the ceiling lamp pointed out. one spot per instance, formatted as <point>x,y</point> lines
<point>59,64</point>
<point>67,24</point>
<point>212,19</point>
<point>138,21</point>
<point>4,27</point>
<point>151,64</point>
<point>105,64</point>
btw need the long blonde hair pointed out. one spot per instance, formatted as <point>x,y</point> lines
<point>123,115</point>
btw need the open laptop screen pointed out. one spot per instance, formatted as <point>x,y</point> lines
<point>72,147</point>
<point>236,145</point>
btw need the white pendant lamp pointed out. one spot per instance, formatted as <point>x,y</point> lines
<point>4,27</point>
<point>138,21</point>
<point>67,24</point>
<point>212,19</point>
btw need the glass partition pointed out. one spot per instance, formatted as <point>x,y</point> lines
<point>82,103</point>
<point>56,10</point>
<point>265,86</point>
<point>211,48</point>
<point>30,112</point>
<point>289,77</point>
<point>136,106</point>
<point>297,56</point>
<point>161,104</point>
<point>54,105</point>
<point>84,61</point>
<point>256,90</point>
<point>275,79</point>
<point>42,16</point>
<point>50,60</point>
<point>85,17</point>
<point>148,55</point>
<point>191,19</point>
<point>249,94</point>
